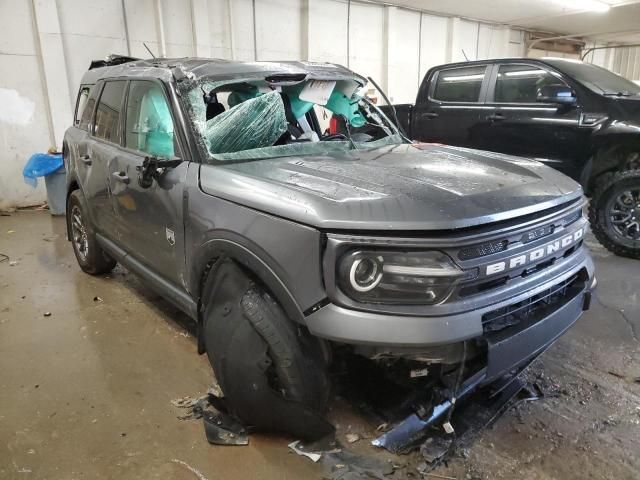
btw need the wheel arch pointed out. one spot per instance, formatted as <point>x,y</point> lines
<point>252,260</point>
<point>607,156</point>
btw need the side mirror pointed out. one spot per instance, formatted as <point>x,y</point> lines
<point>560,94</point>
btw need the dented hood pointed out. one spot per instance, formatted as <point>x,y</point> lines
<point>400,187</point>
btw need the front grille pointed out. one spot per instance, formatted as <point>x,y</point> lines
<point>488,248</point>
<point>536,307</point>
<point>497,246</point>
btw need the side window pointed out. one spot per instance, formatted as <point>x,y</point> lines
<point>87,113</point>
<point>81,103</point>
<point>148,125</point>
<point>108,112</point>
<point>459,84</point>
<point>520,83</point>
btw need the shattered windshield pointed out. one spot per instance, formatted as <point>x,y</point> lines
<point>255,118</point>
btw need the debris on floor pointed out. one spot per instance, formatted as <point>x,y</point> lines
<point>352,437</point>
<point>220,427</point>
<point>195,471</point>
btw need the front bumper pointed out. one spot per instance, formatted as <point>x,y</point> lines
<point>388,331</point>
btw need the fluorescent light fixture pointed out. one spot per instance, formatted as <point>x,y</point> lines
<point>588,5</point>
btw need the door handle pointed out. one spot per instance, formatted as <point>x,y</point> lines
<point>496,117</point>
<point>120,177</point>
<point>86,159</point>
<point>432,115</point>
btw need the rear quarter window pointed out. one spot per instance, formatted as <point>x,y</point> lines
<point>459,84</point>
<point>81,103</point>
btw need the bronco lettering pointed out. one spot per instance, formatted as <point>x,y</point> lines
<point>534,255</point>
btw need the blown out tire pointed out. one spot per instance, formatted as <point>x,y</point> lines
<point>247,335</point>
<point>614,212</point>
<point>89,254</point>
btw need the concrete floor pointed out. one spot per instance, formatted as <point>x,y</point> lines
<point>86,391</point>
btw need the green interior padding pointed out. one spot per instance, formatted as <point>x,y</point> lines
<point>238,97</point>
<point>340,104</point>
<point>298,107</point>
<point>157,139</point>
<point>254,123</point>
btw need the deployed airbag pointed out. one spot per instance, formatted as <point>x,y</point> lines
<point>255,123</point>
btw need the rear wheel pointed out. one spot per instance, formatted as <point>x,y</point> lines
<point>89,254</point>
<point>614,212</point>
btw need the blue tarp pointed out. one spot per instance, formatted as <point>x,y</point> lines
<point>41,165</point>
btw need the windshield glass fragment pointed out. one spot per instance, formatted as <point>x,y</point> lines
<point>253,118</point>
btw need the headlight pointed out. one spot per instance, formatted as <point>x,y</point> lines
<point>399,277</point>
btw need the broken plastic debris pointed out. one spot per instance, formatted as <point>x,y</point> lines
<point>314,457</point>
<point>352,437</point>
<point>448,428</point>
<point>419,372</point>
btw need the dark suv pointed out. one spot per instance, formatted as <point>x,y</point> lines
<point>576,117</point>
<point>218,184</point>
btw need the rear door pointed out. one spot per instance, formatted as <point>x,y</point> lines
<point>514,123</point>
<point>98,158</point>
<point>150,220</point>
<point>449,105</point>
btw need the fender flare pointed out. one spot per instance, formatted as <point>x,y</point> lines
<point>252,259</point>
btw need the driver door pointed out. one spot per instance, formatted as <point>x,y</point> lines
<point>150,220</point>
<point>515,123</point>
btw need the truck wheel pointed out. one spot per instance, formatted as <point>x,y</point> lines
<point>271,370</point>
<point>90,255</point>
<point>614,212</point>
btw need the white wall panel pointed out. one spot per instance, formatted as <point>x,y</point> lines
<point>403,52</point>
<point>24,125</point>
<point>176,16</point>
<point>219,29</point>
<point>327,29</point>
<point>141,23</point>
<point>366,40</point>
<point>433,45</point>
<point>279,29</point>
<point>90,30</point>
<point>465,41</point>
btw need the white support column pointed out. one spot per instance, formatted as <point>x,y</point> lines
<point>200,28</point>
<point>53,65</point>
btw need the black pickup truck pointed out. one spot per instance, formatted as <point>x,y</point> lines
<point>576,117</point>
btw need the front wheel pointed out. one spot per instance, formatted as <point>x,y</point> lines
<point>614,212</point>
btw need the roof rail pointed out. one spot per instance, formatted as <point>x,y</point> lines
<point>112,60</point>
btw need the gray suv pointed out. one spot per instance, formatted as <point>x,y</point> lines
<point>222,185</point>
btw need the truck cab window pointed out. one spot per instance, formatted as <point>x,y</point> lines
<point>149,125</point>
<point>520,83</point>
<point>107,122</point>
<point>459,84</point>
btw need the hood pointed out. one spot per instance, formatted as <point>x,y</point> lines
<point>626,108</point>
<point>400,187</point>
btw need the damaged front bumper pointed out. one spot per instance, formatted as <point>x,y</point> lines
<point>406,336</point>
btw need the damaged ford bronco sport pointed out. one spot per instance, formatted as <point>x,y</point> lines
<point>218,183</point>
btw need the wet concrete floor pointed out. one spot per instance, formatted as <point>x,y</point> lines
<point>85,392</point>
